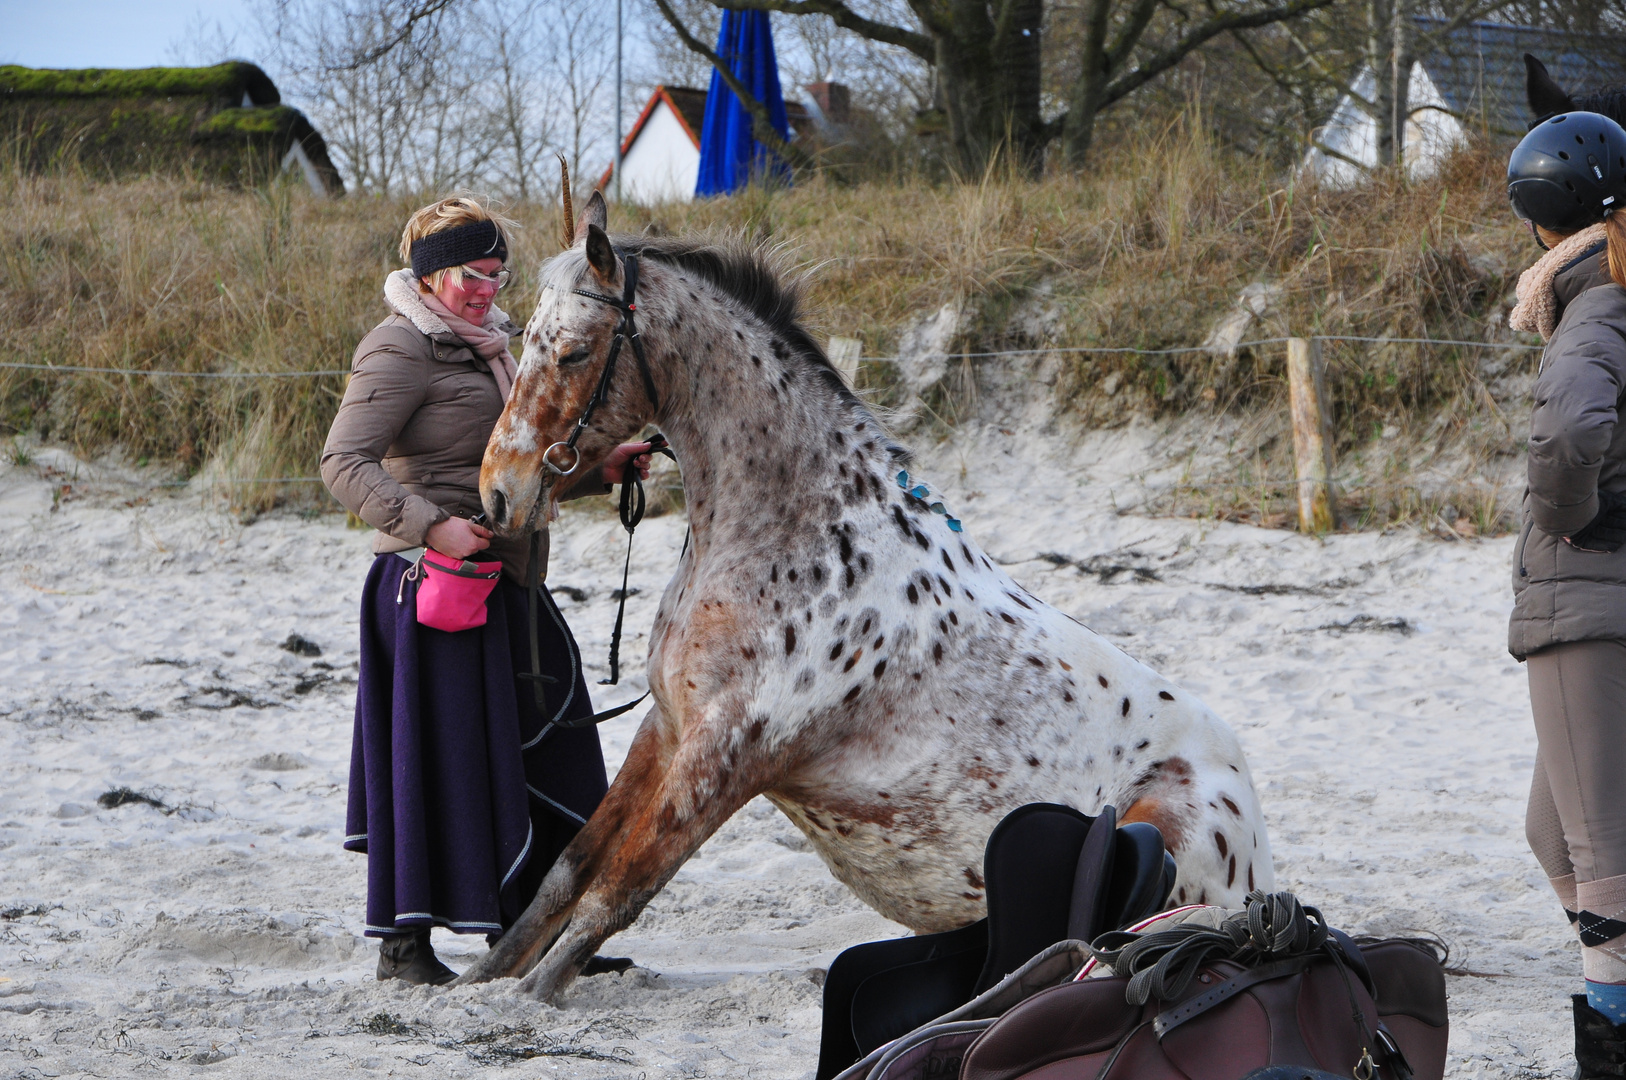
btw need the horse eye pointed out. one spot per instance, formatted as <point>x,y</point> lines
<point>574,357</point>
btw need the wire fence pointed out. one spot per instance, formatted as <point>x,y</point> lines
<point>72,369</point>
<point>1103,350</point>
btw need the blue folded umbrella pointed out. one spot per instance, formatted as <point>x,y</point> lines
<point>730,157</point>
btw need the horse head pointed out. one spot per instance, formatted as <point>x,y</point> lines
<point>1547,98</point>
<point>536,451</point>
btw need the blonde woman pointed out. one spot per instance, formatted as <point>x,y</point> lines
<point>461,795</point>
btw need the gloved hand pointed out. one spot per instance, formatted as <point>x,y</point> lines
<point>1607,531</point>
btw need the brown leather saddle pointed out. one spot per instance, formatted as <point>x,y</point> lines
<point>1051,873</point>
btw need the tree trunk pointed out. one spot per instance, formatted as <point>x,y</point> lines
<point>1404,51</point>
<point>988,68</point>
<point>1380,59</point>
<point>1078,128</point>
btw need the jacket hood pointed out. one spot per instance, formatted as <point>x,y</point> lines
<point>1540,306</point>
<point>401,293</point>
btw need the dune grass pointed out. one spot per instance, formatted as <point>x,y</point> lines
<point>170,273</point>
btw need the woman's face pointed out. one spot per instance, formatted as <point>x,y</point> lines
<point>471,300</point>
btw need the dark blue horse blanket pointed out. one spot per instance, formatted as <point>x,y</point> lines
<point>461,795</point>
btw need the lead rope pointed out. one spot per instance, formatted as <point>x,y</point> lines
<point>633,506</point>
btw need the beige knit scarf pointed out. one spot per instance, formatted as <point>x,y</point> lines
<point>1537,309</point>
<point>489,340</point>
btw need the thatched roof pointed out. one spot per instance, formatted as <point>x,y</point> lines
<point>225,122</point>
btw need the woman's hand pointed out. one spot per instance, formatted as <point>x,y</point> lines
<point>1606,532</point>
<point>458,538</point>
<point>615,465</point>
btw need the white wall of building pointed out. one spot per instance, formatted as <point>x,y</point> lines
<point>662,164</point>
<point>1432,133</point>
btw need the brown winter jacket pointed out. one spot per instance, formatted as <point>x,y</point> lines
<point>1577,447</point>
<point>404,451</point>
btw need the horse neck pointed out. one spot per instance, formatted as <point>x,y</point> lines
<point>762,435</point>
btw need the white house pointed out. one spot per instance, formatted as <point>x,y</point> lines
<point>660,156</point>
<point>1467,81</point>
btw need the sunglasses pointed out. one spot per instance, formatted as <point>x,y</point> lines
<point>500,279</point>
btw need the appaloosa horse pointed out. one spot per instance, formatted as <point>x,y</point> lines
<point>830,640</point>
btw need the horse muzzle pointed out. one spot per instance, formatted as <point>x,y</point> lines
<point>512,494</point>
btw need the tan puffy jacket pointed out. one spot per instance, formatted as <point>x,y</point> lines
<point>1577,447</point>
<point>404,450</point>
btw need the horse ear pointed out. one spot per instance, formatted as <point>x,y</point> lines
<point>594,213</point>
<point>1546,96</point>
<point>600,254</point>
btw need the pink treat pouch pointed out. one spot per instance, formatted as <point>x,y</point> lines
<point>452,593</point>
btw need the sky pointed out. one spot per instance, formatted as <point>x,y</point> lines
<point>109,33</point>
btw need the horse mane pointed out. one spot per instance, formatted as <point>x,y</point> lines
<point>759,276</point>
<point>754,274</point>
<point>1610,103</point>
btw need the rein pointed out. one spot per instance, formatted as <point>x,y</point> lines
<point>633,501</point>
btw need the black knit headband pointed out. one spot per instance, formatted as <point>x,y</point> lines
<point>456,246</point>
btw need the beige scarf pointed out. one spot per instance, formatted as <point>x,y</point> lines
<point>1537,309</point>
<point>489,340</point>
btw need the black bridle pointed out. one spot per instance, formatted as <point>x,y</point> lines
<point>632,495</point>
<point>625,331</point>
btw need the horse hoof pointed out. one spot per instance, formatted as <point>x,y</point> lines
<point>605,965</point>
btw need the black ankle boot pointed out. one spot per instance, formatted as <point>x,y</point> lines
<point>1600,1045</point>
<point>412,959</point>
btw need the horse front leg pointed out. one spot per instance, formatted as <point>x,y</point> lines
<point>707,780</point>
<point>544,919</point>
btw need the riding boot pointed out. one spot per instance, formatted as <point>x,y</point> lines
<point>1600,1045</point>
<point>410,958</point>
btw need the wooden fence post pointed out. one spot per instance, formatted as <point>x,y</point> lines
<point>844,353</point>
<point>1312,435</point>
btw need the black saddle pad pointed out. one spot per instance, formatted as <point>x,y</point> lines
<point>882,989</point>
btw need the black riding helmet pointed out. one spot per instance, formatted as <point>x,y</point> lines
<point>1568,171</point>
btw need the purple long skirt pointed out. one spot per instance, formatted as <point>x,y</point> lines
<point>461,795</point>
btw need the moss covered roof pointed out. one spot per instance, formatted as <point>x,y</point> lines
<point>225,82</point>
<point>225,121</point>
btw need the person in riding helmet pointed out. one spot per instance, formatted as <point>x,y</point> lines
<point>1567,179</point>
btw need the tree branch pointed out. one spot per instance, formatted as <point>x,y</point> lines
<point>1330,152</point>
<point>415,14</point>
<point>844,17</point>
<point>761,123</point>
<point>1209,28</point>
<point>1130,33</point>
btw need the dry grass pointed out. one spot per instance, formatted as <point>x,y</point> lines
<point>1149,251</point>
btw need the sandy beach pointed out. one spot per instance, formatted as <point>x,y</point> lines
<point>142,640</point>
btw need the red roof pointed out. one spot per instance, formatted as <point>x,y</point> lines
<point>689,106</point>
<point>686,103</point>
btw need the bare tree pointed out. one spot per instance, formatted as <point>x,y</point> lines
<point>416,116</point>
<point>202,42</point>
<point>580,45</point>
<point>671,62</point>
<point>987,57</point>
<point>1366,53</point>
<point>520,125</point>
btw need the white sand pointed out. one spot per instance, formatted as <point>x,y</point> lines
<point>139,634</point>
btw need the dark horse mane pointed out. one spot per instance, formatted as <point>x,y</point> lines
<point>745,272</point>
<point>748,273</point>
